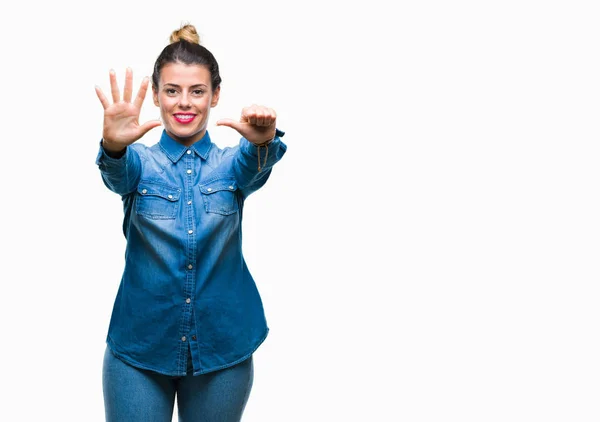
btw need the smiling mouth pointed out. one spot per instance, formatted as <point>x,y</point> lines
<point>184,118</point>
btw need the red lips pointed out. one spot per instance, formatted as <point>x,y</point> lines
<point>184,118</point>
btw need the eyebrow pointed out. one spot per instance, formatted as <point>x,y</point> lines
<point>193,86</point>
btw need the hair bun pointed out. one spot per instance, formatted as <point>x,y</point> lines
<point>187,32</point>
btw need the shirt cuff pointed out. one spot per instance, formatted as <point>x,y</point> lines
<point>252,149</point>
<point>104,157</point>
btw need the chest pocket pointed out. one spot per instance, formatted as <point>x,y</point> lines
<point>157,201</point>
<point>220,196</point>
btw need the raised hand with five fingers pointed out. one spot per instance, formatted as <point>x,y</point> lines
<point>257,124</point>
<point>121,118</point>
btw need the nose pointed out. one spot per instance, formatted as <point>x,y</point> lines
<point>184,101</point>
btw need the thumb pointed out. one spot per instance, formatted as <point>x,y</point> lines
<point>149,125</point>
<point>234,124</point>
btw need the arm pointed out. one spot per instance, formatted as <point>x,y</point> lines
<point>259,149</point>
<point>252,163</point>
<point>119,163</point>
<point>120,172</point>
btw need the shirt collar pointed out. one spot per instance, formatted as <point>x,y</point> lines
<point>174,150</point>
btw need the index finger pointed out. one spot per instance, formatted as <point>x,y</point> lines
<point>102,98</point>
<point>139,98</point>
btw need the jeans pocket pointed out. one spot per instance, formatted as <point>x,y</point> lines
<point>157,200</point>
<point>220,196</point>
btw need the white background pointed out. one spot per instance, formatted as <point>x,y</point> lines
<point>427,250</point>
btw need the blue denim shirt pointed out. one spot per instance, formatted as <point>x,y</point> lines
<point>185,286</point>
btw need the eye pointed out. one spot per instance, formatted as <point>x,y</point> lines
<point>170,91</point>
<point>197,92</point>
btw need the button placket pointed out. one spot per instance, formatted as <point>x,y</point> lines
<point>189,226</point>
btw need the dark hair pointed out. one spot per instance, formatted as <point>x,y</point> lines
<point>185,48</point>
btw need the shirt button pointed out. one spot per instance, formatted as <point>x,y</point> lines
<point>189,202</point>
<point>189,172</point>
<point>231,187</point>
<point>170,196</point>
<point>209,189</point>
<point>189,151</point>
<point>193,337</point>
<point>144,191</point>
<point>188,300</point>
<point>190,231</point>
<point>190,267</point>
<point>183,338</point>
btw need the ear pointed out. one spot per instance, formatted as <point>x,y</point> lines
<point>155,96</point>
<point>215,97</point>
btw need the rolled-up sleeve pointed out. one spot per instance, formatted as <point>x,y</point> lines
<point>120,175</point>
<point>252,164</point>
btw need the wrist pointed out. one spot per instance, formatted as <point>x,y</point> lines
<point>278,133</point>
<point>113,151</point>
<point>262,144</point>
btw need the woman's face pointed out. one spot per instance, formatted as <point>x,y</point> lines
<point>185,97</point>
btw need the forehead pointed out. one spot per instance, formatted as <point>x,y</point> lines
<point>184,74</point>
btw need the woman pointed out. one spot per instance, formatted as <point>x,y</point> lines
<point>187,316</point>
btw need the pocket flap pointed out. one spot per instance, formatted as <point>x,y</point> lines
<point>218,185</point>
<point>170,193</point>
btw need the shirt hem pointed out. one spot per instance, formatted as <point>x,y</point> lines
<point>122,356</point>
<point>227,365</point>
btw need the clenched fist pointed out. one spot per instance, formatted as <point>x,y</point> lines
<point>257,124</point>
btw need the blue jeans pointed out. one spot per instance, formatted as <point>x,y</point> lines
<point>138,395</point>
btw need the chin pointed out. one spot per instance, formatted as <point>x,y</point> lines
<point>185,134</point>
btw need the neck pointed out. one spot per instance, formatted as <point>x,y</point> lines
<point>188,141</point>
